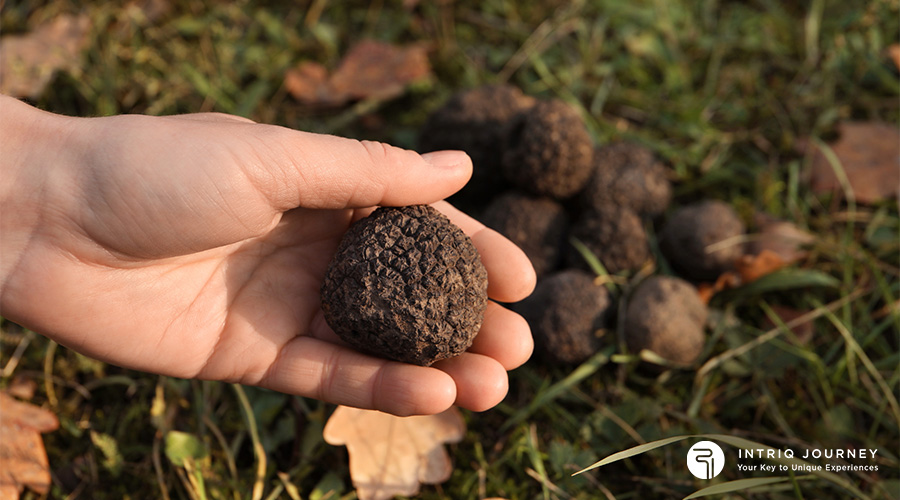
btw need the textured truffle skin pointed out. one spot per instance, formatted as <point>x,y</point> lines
<point>614,234</point>
<point>548,151</point>
<point>475,121</point>
<point>691,229</point>
<point>630,176</point>
<point>665,315</point>
<point>564,313</point>
<point>538,225</point>
<point>406,284</point>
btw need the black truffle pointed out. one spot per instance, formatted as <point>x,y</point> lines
<point>665,315</point>
<point>630,176</point>
<point>613,234</point>
<point>475,121</point>
<point>537,225</point>
<point>406,284</point>
<point>548,151</point>
<point>688,235</point>
<point>565,313</point>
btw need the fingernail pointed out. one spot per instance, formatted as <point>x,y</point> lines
<point>446,159</point>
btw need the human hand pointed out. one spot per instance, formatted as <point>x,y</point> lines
<point>195,246</point>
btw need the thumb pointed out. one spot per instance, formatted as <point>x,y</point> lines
<point>297,169</point>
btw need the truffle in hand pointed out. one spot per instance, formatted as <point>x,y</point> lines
<point>406,284</point>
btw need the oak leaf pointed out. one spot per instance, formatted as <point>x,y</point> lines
<point>369,70</point>
<point>392,455</point>
<point>868,153</point>
<point>28,62</point>
<point>23,459</point>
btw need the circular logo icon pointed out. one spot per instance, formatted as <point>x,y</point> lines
<point>705,460</point>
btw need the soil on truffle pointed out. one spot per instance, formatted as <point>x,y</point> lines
<point>406,284</point>
<point>628,175</point>
<point>548,151</point>
<point>475,121</point>
<point>665,315</point>
<point>565,313</point>
<point>687,236</point>
<point>613,234</point>
<point>538,225</point>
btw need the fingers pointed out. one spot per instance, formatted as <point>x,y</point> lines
<point>322,171</point>
<point>511,276</point>
<point>339,375</point>
<point>481,382</point>
<point>336,374</point>
<point>504,336</point>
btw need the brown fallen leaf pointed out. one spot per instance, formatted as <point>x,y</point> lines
<point>28,62</point>
<point>894,54</point>
<point>783,238</point>
<point>391,455</point>
<point>753,267</point>
<point>868,153</point>
<point>747,269</point>
<point>725,281</point>
<point>23,459</point>
<point>22,387</point>
<point>370,70</point>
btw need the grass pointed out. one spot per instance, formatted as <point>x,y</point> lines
<point>722,90</point>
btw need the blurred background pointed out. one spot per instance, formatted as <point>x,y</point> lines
<point>724,92</point>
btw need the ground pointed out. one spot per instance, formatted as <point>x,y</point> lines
<point>722,91</point>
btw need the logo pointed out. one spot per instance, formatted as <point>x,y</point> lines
<point>705,460</point>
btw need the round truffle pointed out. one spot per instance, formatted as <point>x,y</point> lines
<point>475,121</point>
<point>630,176</point>
<point>406,284</point>
<point>538,225</point>
<point>548,151</point>
<point>665,315</point>
<point>693,239</point>
<point>565,312</point>
<point>613,234</point>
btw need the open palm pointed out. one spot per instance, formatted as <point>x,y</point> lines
<point>195,246</point>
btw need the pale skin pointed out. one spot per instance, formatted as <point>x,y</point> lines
<point>194,246</point>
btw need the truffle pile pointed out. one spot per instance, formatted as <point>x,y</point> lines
<point>540,180</point>
<point>406,284</point>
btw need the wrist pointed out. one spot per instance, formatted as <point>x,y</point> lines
<point>32,143</point>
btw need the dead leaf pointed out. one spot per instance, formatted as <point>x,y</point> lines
<point>753,267</point>
<point>23,459</point>
<point>22,387</point>
<point>783,238</point>
<point>747,269</point>
<point>894,54</point>
<point>370,70</point>
<point>725,281</point>
<point>869,154</point>
<point>392,455</point>
<point>28,62</point>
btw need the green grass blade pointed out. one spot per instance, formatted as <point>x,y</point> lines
<point>736,485</point>
<point>788,279</point>
<point>740,443</point>
<point>580,373</point>
<point>637,450</point>
<point>592,261</point>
